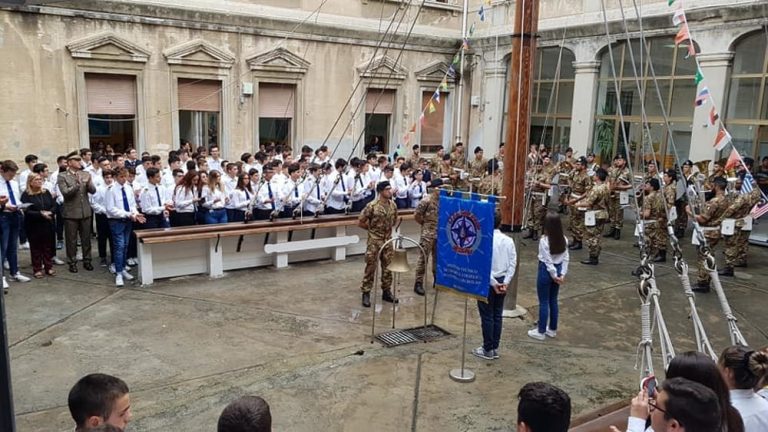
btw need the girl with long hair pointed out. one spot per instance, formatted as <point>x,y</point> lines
<point>184,200</point>
<point>215,199</point>
<point>553,266</point>
<point>240,197</point>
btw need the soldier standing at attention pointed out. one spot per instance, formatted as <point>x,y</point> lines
<point>580,184</point>
<point>539,199</point>
<point>378,218</point>
<point>736,244</point>
<point>596,200</point>
<point>618,182</point>
<point>710,219</point>
<point>655,221</point>
<point>426,216</point>
<point>75,185</point>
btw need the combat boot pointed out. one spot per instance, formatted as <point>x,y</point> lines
<point>610,233</point>
<point>727,271</point>
<point>418,288</point>
<point>702,287</point>
<point>535,235</point>
<point>617,234</point>
<point>366,299</point>
<point>388,297</point>
<point>576,245</point>
<point>529,235</point>
<point>661,257</point>
<point>592,260</point>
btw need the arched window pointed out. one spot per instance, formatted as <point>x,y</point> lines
<point>675,74</point>
<point>552,98</point>
<point>747,113</point>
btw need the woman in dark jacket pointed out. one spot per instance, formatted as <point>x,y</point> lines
<point>40,225</point>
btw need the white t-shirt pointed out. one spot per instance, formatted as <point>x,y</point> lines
<point>753,410</point>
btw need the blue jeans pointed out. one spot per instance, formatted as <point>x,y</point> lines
<point>490,318</point>
<point>121,233</point>
<point>547,290</point>
<point>9,241</point>
<point>216,217</point>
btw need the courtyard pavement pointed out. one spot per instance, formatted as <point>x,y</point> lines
<point>299,338</point>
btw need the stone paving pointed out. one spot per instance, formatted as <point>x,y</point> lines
<point>299,338</point>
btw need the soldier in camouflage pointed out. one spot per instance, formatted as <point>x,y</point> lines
<point>492,183</point>
<point>580,183</point>
<point>478,164</point>
<point>618,183</point>
<point>596,200</point>
<point>654,221</point>
<point>426,216</point>
<point>739,209</point>
<point>378,218</point>
<point>709,219</point>
<point>539,198</point>
<point>458,159</point>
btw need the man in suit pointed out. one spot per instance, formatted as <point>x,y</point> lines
<point>75,185</point>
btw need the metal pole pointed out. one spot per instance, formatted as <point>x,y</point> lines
<point>7,417</point>
<point>463,375</point>
<point>460,98</point>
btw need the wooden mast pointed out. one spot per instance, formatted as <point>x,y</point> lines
<point>516,142</point>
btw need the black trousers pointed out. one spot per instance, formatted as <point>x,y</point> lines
<point>182,219</point>
<point>259,214</point>
<point>331,210</point>
<point>103,236</point>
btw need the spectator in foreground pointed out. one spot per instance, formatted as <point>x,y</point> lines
<point>743,369</point>
<point>97,399</point>
<point>246,414</point>
<point>553,266</point>
<point>543,408</point>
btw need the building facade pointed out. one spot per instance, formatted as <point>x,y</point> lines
<point>151,74</point>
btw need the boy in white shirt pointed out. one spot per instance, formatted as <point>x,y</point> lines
<point>122,212</point>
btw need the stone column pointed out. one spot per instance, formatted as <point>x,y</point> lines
<point>583,111</point>
<point>716,70</point>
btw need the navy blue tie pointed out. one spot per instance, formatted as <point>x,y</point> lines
<point>247,197</point>
<point>10,192</point>
<point>157,191</point>
<point>126,207</point>
<point>269,189</point>
<point>343,187</point>
<point>318,190</point>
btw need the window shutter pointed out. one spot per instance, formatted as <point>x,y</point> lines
<point>386,101</point>
<point>111,94</point>
<point>277,100</point>
<point>199,95</point>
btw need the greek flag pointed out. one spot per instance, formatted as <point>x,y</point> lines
<point>746,184</point>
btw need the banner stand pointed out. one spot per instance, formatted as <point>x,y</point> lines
<point>463,375</point>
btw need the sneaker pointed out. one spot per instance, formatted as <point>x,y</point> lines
<point>127,275</point>
<point>119,280</point>
<point>6,266</point>
<point>59,245</point>
<point>495,354</point>
<point>112,269</point>
<point>20,277</point>
<point>5,284</point>
<point>79,256</point>
<point>127,268</point>
<point>482,353</point>
<point>102,262</point>
<point>24,246</point>
<point>551,333</point>
<point>534,333</point>
<point>58,261</point>
<point>132,262</point>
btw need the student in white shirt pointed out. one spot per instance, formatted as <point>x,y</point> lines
<point>214,163</point>
<point>291,191</point>
<point>184,200</point>
<point>363,186</point>
<point>553,266</point>
<point>156,203</point>
<point>417,189</point>
<point>742,369</point>
<point>401,185</point>
<point>267,195</point>
<point>339,189</point>
<point>240,199</point>
<point>168,181</point>
<point>10,219</point>
<point>312,192</point>
<point>503,266</point>
<point>122,212</point>
<point>31,161</point>
<point>103,235</point>
<point>214,199</point>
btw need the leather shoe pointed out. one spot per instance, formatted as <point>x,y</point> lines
<point>88,266</point>
<point>617,235</point>
<point>575,246</point>
<point>590,261</point>
<point>73,268</point>
<point>388,297</point>
<point>610,233</point>
<point>418,289</point>
<point>535,236</point>
<point>727,271</point>
<point>661,257</point>
<point>741,264</point>
<point>366,299</point>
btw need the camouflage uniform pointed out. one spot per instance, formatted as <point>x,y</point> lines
<point>580,184</point>
<point>616,177</point>
<point>655,230</point>
<point>428,210</point>
<point>491,184</point>
<point>458,161</point>
<point>380,216</point>
<point>435,163</point>
<point>597,200</point>
<point>477,168</point>
<point>539,200</point>
<point>736,245</point>
<point>713,214</point>
<point>565,169</point>
<point>414,160</point>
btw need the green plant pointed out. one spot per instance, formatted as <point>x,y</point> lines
<point>604,133</point>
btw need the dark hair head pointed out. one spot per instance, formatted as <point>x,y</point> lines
<point>553,228</point>
<point>151,172</point>
<point>95,395</point>
<point>28,159</point>
<point>544,408</point>
<point>497,218</point>
<point>699,368</point>
<point>9,166</point>
<point>654,182</point>
<point>720,183</point>
<point>672,174</point>
<point>340,163</point>
<point>602,174</point>
<point>478,149</point>
<point>39,168</point>
<point>748,367</point>
<point>693,405</point>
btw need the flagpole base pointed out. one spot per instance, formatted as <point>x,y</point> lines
<point>517,312</point>
<point>462,375</point>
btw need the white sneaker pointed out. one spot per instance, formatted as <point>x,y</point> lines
<point>132,262</point>
<point>24,245</point>
<point>5,283</point>
<point>127,268</point>
<point>58,261</point>
<point>534,333</point>
<point>112,269</point>
<point>6,266</point>
<point>551,333</point>
<point>20,277</point>
<point>127,275</point>
<point>119,280</point>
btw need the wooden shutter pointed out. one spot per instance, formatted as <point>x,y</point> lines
<point>111,94</point>
<point>277,100</point>
<point>385,104</point>
<point>199,95</point>
<point>432,128</point>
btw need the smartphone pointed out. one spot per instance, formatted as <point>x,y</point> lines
<point>649,385</point>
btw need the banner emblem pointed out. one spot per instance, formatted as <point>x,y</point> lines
<point>463,229</point>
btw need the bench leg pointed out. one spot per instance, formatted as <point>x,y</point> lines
<point>146,273</point>
<point>281,259</point>
<point>215,260</point>
<point>340,253</point>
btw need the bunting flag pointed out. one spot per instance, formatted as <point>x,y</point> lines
<point>422,119</point>
<point>465,44</point>
<point>713,116</point>
<point>670,2</point>
<point>456,59</point>
<point>413,128</point>
<point>481,12</point>
<point>432,107</point>
<point>679,17</point>
<point>746,184</point>
<point>437,95</point>
<point>683,34</point>
<point>699,77</point>
<point>734,160</point>
<point>451,71</point>
<point>406,139</point>
<point>759,210</point>
<point>472,29</point>
<point>444,84</point>
<point>722,139</point>
<point>703,96</point>
<point>691,49</point>
<point>487,2</point>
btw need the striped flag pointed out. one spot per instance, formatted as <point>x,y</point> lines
<point>722,139</point>
<point>683,34</point>
<point>713,116</point>
<point>759,210</point>
<point>437,96</point>
<point>746,184</point>
<point>703,96</point>
<point>679,17</point>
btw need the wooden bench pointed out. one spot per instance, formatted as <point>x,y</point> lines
<point>601,419</point>
<point>213,249</point>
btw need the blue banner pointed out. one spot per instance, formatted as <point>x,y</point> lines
<point>465,244</point>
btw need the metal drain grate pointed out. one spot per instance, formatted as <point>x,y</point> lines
<point>395,338</point>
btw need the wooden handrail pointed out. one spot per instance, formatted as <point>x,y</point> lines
<point>235,229</point>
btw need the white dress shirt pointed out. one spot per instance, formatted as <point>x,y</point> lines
<point>113,201</point>
<point>153,199</point>
<point>336,191</point>
<point>239,199</point>
<point>753,410</point>
<point>97,199</point>
<point>269,190</point>
<point>184,199</point>
<point>5,190</point>
<point>215,199</point>
<point>504,258</point>
<point>291,193</point>
<point>550,260</point>
<point>214,165</point>
<point>313,194</point>
<point>416,192</point>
